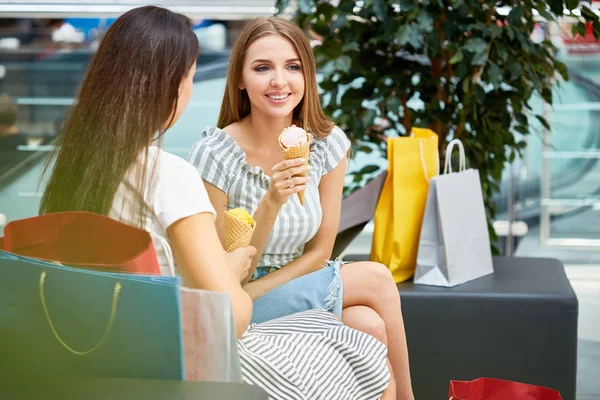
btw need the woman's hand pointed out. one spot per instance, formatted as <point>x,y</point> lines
<point>240,261</point>
<point>285,180</point>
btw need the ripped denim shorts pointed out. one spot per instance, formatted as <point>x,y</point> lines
<point>321,289</point>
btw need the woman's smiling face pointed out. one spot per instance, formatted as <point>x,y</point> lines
<point>272,76</point>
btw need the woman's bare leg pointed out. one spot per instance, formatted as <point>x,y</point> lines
<point>366,320</point>
<point>371,285</point>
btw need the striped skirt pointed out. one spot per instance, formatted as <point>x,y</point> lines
<point>313,356</point>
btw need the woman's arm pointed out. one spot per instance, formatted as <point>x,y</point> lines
<point>319,248</point>
<point>204,263</point>
<point>266,213</point>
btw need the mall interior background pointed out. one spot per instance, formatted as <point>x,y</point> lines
<point>550,197</point>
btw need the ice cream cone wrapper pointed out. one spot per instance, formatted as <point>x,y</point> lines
<point>302,151</point>
<point>237,233</point>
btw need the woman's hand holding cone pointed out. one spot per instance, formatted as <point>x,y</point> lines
<point>288,177</point>
<point>240,261</point>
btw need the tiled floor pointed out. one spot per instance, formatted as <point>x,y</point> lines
<point>585,280</point>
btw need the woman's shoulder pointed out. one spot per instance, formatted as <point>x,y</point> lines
<point>167,162</point>
<point>335,140</point>
<point>336,134</point>
<point>218,157</point>
<point>213,136</point>
<point>330,149</point>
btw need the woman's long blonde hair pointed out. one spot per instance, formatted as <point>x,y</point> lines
<point>236,104</point>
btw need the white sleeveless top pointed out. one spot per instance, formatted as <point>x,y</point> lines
<point>222,163</point>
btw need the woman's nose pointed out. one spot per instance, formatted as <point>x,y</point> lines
<point>278,80</point>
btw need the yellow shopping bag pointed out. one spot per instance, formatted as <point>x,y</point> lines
<point>412,161</point>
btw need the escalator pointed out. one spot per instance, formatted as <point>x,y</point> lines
<point>19,177</point>
<point>527,193</point>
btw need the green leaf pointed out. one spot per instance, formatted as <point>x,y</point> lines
<point>515,15</point>
<point>479,59</point>
<point>543,121</point>
<point>562,69</point>
<point>501,50</point>
<point>406,5</point>
<point>393,104</point>
<point>365,149</point>
<point>465,86</point>
<point>321,28</point>
<point>522,129</point>
<point>410,34</point>
<point>511,33</point>
<point>343,63</point>
<point>475,45</point>
<point>495,75</point>
<point>581,28</point>
<point>380,7</point>
<point>306,6</point>
<point>425,21</point>
<point>369,169</point>
<point>368,116</point>
<point>547,95</point>
<point>479,93</point>
<point>495,31</point>
<point>326,10</point>
<point>572,4</point>
<point>281,5</point>
<point>350,46</point>
<point>556,6</point>
<point>515,70</point>
<point>332,48</point>
<point>457,57</point>
<point>541,8</point>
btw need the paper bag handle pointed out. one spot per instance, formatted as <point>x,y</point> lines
<point>461,155</point>
<point>111,319</point>
<point>168,252</point>
<point>424,165</point>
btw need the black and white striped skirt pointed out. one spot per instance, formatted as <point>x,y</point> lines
<point>313,356</point>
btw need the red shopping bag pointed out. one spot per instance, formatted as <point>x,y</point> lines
<point>497,389</point>
<point>82,239</point>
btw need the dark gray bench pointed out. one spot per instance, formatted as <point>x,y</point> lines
<point>519,324</point>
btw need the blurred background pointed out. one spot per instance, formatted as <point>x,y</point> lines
<point>549,204</point>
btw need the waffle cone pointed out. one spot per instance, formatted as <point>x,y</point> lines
<point>237,233</point>
<point>290,153</point>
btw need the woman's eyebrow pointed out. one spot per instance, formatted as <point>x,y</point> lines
<point>260,60</point>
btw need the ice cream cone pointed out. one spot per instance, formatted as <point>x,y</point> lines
<point>290,153</point>
<point>238,233</point>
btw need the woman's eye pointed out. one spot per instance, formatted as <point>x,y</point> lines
<point>261,68</point>
<point>294,67</point>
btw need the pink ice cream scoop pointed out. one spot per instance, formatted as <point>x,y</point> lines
<point>293,136</point>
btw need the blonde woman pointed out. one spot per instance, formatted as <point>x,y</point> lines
<point>271,84</point>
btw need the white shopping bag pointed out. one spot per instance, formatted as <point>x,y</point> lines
<point>454,246</point>
<point>209,338</point>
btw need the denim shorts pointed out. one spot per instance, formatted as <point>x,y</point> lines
<point>321,289</point>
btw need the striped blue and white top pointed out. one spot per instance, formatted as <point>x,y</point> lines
<point>222,163</point>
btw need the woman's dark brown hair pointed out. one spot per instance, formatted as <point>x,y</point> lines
<point>127,98</point>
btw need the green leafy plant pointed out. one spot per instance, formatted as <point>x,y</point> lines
<point>466,69</point>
